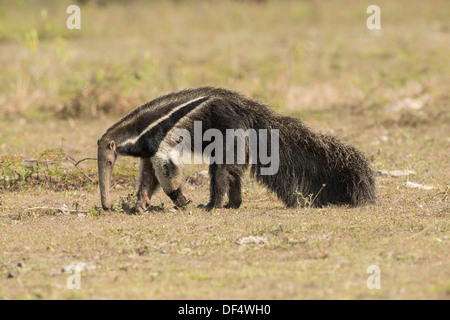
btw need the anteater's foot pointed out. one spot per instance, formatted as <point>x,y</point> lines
<point>183,204</point>
<point>178,198</point>
<point>141,206</point>
<point>230,205</point>
<point>207,207</point>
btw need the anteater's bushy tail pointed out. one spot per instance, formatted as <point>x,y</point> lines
<point>317,169</point>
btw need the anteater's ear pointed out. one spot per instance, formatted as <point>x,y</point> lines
<point>112,145</point>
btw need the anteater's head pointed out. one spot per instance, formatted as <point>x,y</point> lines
<point>106,157</point>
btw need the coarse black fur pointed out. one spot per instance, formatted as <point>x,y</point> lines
<point>314,169</point>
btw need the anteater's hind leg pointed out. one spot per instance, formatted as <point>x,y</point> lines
<point>170,176</point>
<point>235,186</point>
<point>146,186</point>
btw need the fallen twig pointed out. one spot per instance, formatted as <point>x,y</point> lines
<point>42,161</point>
<point>66,158</point>
<point>75,163</point>
<point>79,161</point>
<point>262,199</point>
<point>56,209</point>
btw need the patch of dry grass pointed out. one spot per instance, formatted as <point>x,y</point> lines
<point>310,253</point>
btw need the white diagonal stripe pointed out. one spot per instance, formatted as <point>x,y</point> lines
<point>154,124</point>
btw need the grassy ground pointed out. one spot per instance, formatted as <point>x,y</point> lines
<point>383,91</point>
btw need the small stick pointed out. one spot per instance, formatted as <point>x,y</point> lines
<point>42,161</point>
<point>262,199</point>
<point>59,209</point>
<point>68,158</point>
<point>75,163</point>
<point>79,161</point>
<point>312,202</point>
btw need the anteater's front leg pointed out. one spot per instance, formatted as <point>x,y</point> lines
<point>146,186</point>
<point>170,176</point>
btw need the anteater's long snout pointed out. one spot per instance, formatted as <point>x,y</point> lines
<point>105,168</point>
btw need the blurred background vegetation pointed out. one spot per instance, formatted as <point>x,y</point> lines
<point>303,57</point>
